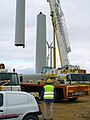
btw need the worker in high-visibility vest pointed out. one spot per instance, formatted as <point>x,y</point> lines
<point>48,100</point>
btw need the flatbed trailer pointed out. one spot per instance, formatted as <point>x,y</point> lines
<point>67,92</point>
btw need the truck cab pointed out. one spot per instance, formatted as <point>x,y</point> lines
<point>10,81</point>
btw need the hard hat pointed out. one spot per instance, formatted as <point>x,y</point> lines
<point>49,81</point>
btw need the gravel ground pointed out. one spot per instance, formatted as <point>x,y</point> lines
<point>78,110</point>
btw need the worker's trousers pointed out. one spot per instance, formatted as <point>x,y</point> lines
<point>48,110</point>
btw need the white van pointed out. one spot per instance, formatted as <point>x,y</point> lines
<point>16,105</point>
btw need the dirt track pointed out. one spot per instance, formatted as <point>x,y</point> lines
<point>78,110</point>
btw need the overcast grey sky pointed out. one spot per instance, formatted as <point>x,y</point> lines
<point>77,16</point>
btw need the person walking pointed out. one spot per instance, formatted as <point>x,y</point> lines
<point>48,100</point>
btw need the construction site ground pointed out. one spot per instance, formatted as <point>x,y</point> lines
<point>78,110</point>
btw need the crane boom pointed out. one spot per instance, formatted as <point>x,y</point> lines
<point>60,31</point>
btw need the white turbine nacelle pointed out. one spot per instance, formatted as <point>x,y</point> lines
<point>20,23</point>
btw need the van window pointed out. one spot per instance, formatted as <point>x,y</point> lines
<point>16,99</point>
<point>1,99</point>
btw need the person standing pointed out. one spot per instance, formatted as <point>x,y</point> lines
<point>48,100</point>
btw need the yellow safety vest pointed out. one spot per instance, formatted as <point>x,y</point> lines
<point>49,92</point>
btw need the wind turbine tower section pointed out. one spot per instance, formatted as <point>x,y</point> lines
<point>20,23</point>
<point>40,42</point>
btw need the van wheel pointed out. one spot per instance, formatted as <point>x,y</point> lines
<point>30,117</point>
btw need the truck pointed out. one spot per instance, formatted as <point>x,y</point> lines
<point>9,81</point>
<point>67,86</point>
<point>70,81</point>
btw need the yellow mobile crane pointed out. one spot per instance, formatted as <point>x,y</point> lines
<point>73,79</point>
<point>70,81</point>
